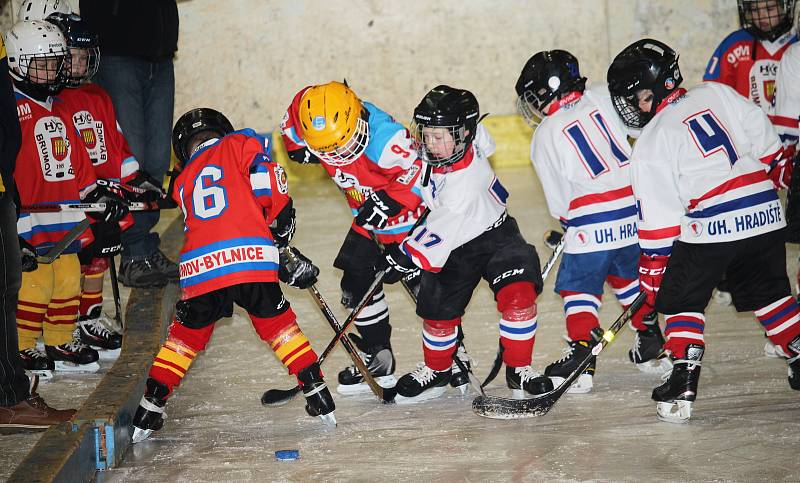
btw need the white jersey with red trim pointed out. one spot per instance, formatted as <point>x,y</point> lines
<point>787,97</point>
<point>581,154</point>
<point>465,200</point>
<point>699,171</point>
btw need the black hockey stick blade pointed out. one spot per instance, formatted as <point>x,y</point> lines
<point>495,407</point>
<point>65,242</point>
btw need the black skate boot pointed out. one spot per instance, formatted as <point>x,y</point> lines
<point>648,353</point>
<point>458,378</point>
<point>95,334</point>
<point>74,356</point>
<point>150,415</point>
<point>318,399</point>
<point>794,364</point>
<point>421,384</point>
<point>154,271</point>
<point>36,361</point>
<point>525,382</point>
<point>675,397</point>
<point>571,357</point>
<point>380,362</point>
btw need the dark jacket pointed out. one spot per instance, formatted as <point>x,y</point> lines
<point>147,29</point>
<point>10,134</point>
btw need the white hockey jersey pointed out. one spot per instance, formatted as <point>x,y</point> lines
<point>787,97</point>
<point>465,200</point>
<point>699,171</point>
<point>581,155</point>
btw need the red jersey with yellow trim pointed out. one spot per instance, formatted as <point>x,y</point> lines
<point>229,191</point>
<point>389,163</point>
<point>94,118</point>
<point>52,167</point>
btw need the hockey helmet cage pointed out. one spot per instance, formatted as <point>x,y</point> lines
<point>444,124</point>
<point>766,19</point>
<point>84,47</point>
<point>38,57</point>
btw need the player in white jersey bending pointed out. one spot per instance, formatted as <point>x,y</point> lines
<point>467,236</point>
<point>581,154</point>
<point>707,209</point>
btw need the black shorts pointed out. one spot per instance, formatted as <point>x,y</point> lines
<point>356,258</point>
<point>260,299</point>
<point>501,256</point>
<point>754,270</point>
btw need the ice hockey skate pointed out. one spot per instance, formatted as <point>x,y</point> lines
<point>794,364</point>
<point>150,415</point>
<point>318,398</point>
<point>95,332</point>
<point>421,384</point>
<point>648,353</point>
<point>674,398</point>
<point>74,357</point>
<point>525,382</point>
<point>36,361</point>
<point>458,378</point>
<point>559,370</point>
<point>380,362</point>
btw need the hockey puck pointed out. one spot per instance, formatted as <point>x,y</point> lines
<point>287,454</point>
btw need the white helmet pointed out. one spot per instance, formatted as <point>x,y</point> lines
<point>41,9</point>
<point>33,40</point>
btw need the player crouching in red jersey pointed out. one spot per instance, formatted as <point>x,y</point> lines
<point>237,215</point>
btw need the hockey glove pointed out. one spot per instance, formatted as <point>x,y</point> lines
<point>107,242</point>
<point>116,208</point>
<point>299,272</point>
<point>28,253</point>
<point>377,209</point>
<point>397,265</point>
<point>651,271</point>
<point>152,188</point>
<point>303,156</point>
<point>283,226</point>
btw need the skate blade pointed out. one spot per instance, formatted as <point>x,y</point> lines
<point>655,366</point>
<point>770,350</point>
<point>329,419</point>
<point>464,388</point>
<point>108,354</point>
<point>432,393</point>
<point>677,412</point>
<point>64,366</point>
<point>44,375</point>
<point>722,298</point>
<point>140,434</point>
<point>386,382</point>
<point>582,385</point>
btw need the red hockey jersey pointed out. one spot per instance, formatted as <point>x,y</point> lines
<point>230,191</point>
<point>52,167</point>
<point>94,117</point>
<point>388,163</point>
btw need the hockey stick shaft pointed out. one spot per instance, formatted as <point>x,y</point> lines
<point>112,269</point>
<point>93,207</point>
<point>65,242</point>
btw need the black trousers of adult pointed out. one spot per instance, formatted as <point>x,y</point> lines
<point>14,384</point>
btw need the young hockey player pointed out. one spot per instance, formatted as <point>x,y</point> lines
<point>707,209</point>
<point>52,167</point>
<point>581,154</point>
<point>468,235</point>
<point>228,177</point>
<point>371,159</point>
<point>93,115</point>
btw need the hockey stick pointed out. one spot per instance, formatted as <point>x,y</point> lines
<point>551,237</point>
<point>95,207</point>
<point>66,241</point>
<point>274,397</point>
<point>385,395</point>
<point>502,408</point>
<point>112,269</point>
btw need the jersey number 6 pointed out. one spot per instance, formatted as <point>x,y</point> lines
<point>209,199</point>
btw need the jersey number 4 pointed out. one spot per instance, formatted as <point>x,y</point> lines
<point>584,144</point>
<point>710,136</point>
<point>209,199</point>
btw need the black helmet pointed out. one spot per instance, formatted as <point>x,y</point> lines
<point>546,76</point>
<point>454,110</point>
<point>78,36</point>
<point>766,19</point>
<point>197,121</point>
<point>645,64</point>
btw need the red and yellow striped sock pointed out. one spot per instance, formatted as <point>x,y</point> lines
<point>290,344</point>
<point>178,352</point>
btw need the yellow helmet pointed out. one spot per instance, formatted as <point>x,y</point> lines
<point>331,122</point>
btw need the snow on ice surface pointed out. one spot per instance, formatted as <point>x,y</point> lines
<point>745,424</point>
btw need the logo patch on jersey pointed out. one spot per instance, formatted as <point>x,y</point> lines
<point>53,148</point>
<point>24,111</point>
<point>582,238</point>
<point>93,136</point>
<point>88,137</point>
<point>669,83</point>
<point>280,177</point>
<point>696,227</point>
<point>318,123</point>
<point>408,175</point>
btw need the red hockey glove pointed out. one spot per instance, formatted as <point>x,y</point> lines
<point>651,271</point>
<point>781,174</point>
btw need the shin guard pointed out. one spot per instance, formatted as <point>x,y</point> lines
<point>288,342</point>
<point>178,352</point>
<point>439,339</point>
<point>517,304</point>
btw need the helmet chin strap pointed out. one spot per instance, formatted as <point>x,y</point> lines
<point>34,91</point>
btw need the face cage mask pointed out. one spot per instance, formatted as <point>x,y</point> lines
<point>59,76</point>
<point>628,109</point>
<point>92,63</point>
<point>526,105</point>
<point>352,149</point>
<point>776,13</point>
<point>457,135</point>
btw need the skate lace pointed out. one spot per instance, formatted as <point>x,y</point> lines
<point>367,358</point>
<point>566,352</point>
<point>464,357</point>
<point>98,328</point>
<point>75,345</point>
<point>690,364</point>
<point>527,373</point>
<point>35,353</point>
<point>423,374</point>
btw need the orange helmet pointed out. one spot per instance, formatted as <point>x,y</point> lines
<point>331,122</point>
